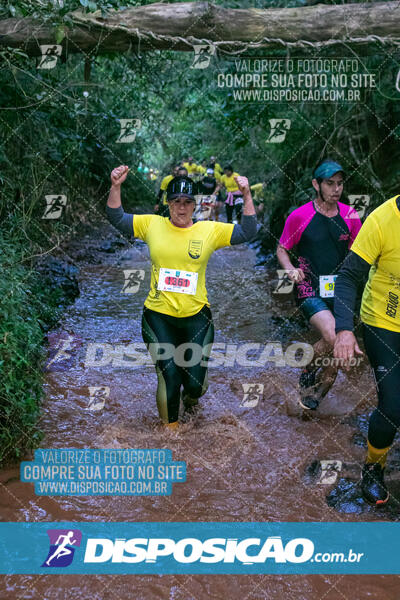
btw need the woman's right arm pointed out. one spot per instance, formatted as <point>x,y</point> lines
<point>115,213</point>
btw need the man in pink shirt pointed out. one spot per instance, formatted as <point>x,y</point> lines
<point>321,231</point>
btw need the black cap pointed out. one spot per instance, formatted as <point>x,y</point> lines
<point>181,186</point>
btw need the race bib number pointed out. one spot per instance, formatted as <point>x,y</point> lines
<point>183,282</point>
<point>327,286</point>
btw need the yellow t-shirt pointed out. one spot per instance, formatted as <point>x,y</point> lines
<point>183,249</point>
<point>257,188</point>
<point>163,187</point>
<point>217,167</point>
<point>229,182</point>
<point>378,243</point>
<point>190,168</point>
<point>165,182</point>
<point>201,169</point>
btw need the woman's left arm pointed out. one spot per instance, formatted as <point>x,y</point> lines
<point>243,185</point>
<point>248,226</point>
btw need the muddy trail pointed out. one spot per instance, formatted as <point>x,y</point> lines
<point>247,460</point>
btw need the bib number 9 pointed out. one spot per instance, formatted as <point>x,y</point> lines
<point>327,286</point>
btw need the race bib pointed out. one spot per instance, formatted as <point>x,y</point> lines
<point>183,282</point>
<point>327,286</point>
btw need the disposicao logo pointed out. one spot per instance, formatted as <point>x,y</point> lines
<point>62,547</point>
<point>191,550</point>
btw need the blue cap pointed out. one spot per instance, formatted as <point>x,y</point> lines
<point>327,169</point>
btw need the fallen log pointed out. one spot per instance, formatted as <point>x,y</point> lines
<point>179,26</point>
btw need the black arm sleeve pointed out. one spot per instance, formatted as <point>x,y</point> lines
<point>245,231</point>
<point>353,273</point>
<point>121,220</point>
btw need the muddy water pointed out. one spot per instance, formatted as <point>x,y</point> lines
<point>244,463</point>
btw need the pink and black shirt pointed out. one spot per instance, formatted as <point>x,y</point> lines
<point>321,242</point>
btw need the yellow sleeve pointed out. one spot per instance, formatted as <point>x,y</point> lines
<point>141,225</point>
<point>164,184</point>
<point>217,176</point>
<point>222,234</point>
<point>368,243</point>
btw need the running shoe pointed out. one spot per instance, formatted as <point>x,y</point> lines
<point>372,484</point>
<point>309,398</point>
<point>309,402</point>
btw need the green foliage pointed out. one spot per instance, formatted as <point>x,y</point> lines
<point>51,10</point>
<point>26,308</point>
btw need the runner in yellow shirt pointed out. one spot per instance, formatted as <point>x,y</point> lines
<point>234,199</point>
<point>190,166</point>
<point>176,317</point>
<point>216,172</point>
<point>216,166</point>
<point>202,167</point>
<point>257,191</point>
<point>375,254</point>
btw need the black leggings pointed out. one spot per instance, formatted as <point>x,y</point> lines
<point>182,366</point>
<point>229,212</point>
<point>383,350</point>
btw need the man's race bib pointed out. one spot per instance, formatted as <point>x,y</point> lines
<point>183,282</point>
<point>327,286</point>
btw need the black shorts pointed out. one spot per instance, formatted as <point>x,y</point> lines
<point>315,304</point>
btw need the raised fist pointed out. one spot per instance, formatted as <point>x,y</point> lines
<point>119,174</point>
<point>243,184</point>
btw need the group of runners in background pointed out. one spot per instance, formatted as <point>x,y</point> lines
<point>211,180</point>
<point>324,250</point>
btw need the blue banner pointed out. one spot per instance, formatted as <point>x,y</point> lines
<point>200,548</point>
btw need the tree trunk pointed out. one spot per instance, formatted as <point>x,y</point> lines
<point>178,26</point>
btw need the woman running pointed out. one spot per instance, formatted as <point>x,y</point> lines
<point>176,317</point>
